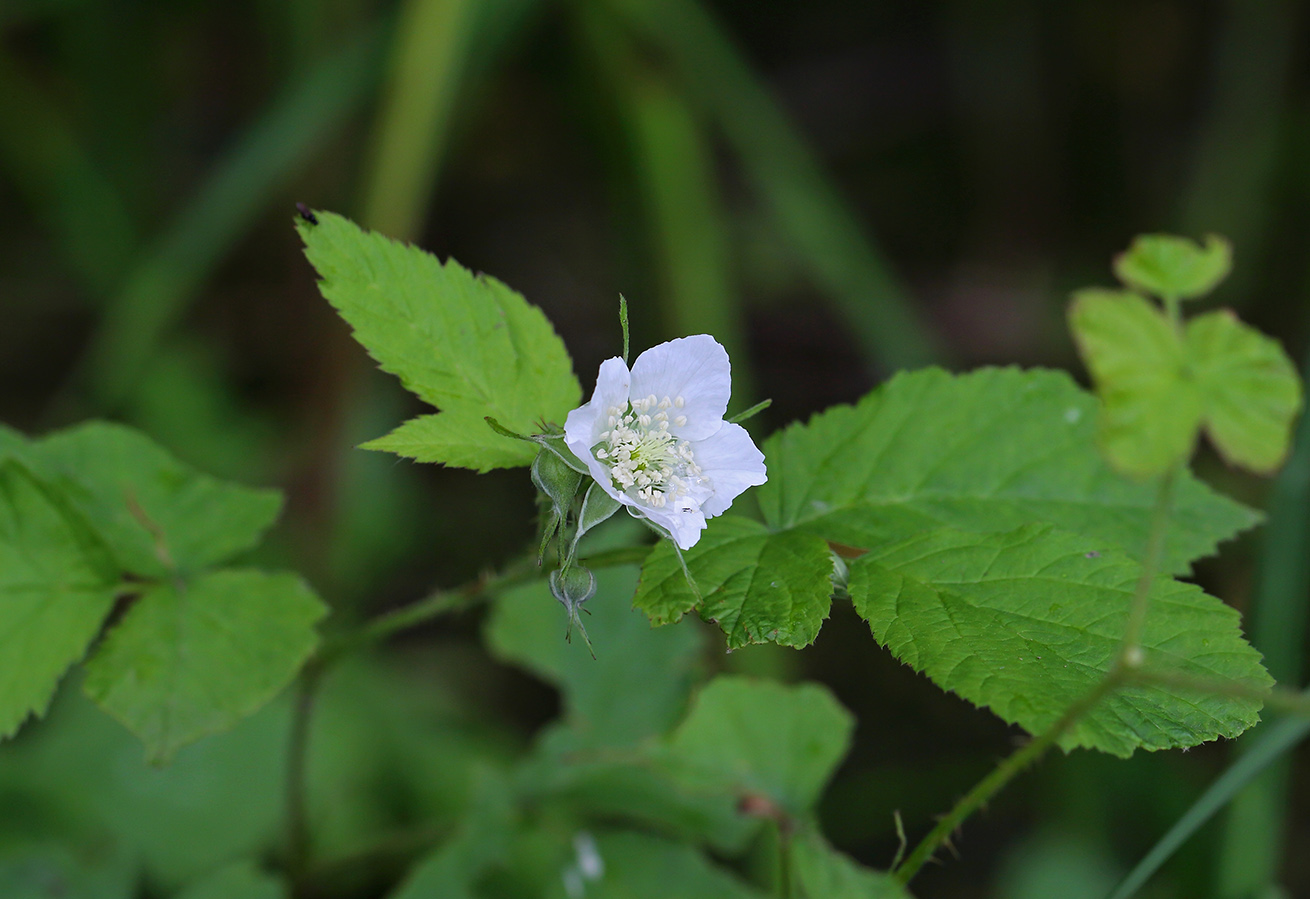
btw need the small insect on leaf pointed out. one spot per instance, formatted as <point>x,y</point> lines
<point>306,213</point>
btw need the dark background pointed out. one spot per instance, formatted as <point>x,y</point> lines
<point>880,185</point>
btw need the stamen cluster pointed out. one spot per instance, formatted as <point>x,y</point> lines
<point>644,458</point>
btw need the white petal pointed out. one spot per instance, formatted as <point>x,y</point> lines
<point>685,527</point>
<point>695,368</point>
<point>583,427</point>
<point>732,463</point>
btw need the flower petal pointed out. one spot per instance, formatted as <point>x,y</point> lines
<point>695,368</point>
<point>684,527</point>
<point>585,424</point>
<point>732,462</point>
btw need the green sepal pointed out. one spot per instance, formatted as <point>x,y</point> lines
<point>556,480</point>
<point>1175,268</point>
<point>597,507</point>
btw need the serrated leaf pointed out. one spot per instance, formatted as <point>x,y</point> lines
<point>986,451</point>
<point>1028,622</point>
<point>636,685</point>
<point>466,344</point>
<point>757,585</point>
<point>1251,390</point>
<point>57,585</point>
<point>194,658</point>
<point>239,880</point>
<point>765,739</point>
<point>821,872</point>
<point>1176,267</point>
<point>128,486</point>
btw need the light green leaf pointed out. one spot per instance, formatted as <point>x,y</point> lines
<point>1150,406</point>
<point>466,344</point>
<point>643,866</point>
<point>156,514</point>
<point>1251,390</point>
<point>239,880</point>
<point>765,739</point>
<point>1175,267</point>
<point>57,585</point>
<point>635,687</point>
<point>987,451</point>
<point>1027,623</point>
<point>194,658</point>
<point>821,872</point>
<point>757,585</point>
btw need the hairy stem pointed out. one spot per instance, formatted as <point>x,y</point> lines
<point>1124,667</point>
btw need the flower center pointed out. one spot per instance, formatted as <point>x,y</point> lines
<point>645,460</point>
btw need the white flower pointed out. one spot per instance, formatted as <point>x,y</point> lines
<point>655,439</point>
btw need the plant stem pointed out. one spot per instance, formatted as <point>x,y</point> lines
<point>297,814</point>
<point>1123,668</point>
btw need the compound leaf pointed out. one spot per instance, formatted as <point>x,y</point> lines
<point>757,585</point>
<point>192,658</point>
<point>57,585</point>
<point>1026,623</point>
<point>464,343</point>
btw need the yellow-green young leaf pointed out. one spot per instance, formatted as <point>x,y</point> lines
<point>1027,623</point>
<point>1251,390</point>
<point>764,739</point>
<point>1174,267</point>
<point>990,450</point>
<point>157,515</point>
<point>464,343</point>
<point>192,658</point>
<point>1150,407</point>
<point>757,585</point>
<point>57,585</point>
<point>818,870</point>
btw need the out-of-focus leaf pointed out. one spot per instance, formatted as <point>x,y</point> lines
<point>821,872</point>
<point>466,344</point>
<point>764,739</point>
<point>643,866</point>
<point>157,514</point>
<point>1175,267</point>
<point>57,585</point>
<point>1028,623</point>
<point>50,870</point>
<point>193,658</point>
<point>239,880</point>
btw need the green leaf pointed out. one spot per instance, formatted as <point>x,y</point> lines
<point>1150,406</point>
<point>57,585</point>
<point>239,880</point>
<point>1027,623</point>
<point>157,515</point>
<point>466,344</point>
<point>50,870</point>
<point>635,687</point>
<point>1251,390</point>
<point>987,451</point>
<point>643,866</point>
<point>757,585</point>
<point>821,872</point>
<point>765,739</point>
<point>1174,267</point>
<point>194,658</point>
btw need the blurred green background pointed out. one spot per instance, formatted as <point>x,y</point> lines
<point>835,190</point>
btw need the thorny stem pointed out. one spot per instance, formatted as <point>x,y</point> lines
<point>1124,668</point>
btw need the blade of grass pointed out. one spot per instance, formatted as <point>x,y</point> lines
<point>272,152</point>
<point>674,168</point>
<point>1253,841</point>
<point>48,165</point>
<point>843,259</point>
<point>427,62</point>
<point>1272,746</point>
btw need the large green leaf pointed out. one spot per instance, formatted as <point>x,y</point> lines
<point>158,515</point>
<point>637,685</point>
<point>1151,407</point>
<point>45,869</point>
<point>757,585</point>
<point>1251,390</point>
<point>643,866</point>
<point>464,343</point>
<point>821,872</point>
<point>57,585</point>
<point>991,450</point>
<point>239,880</point>
<point>192,658</point>
<point>764,739</point>
<point>1026,623</point>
